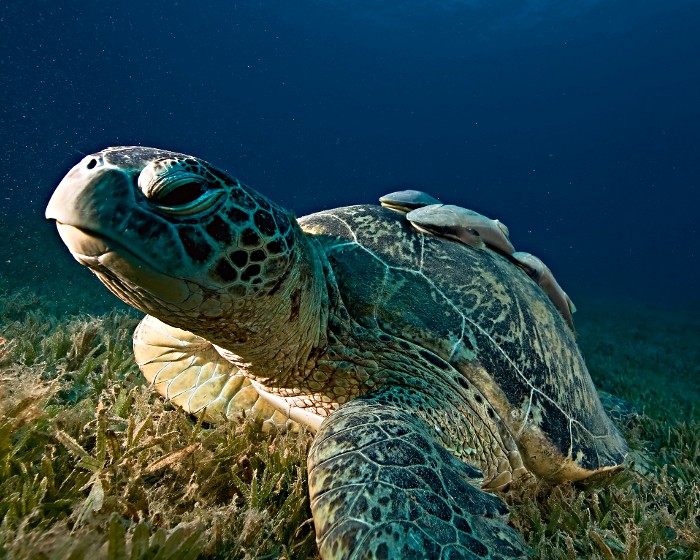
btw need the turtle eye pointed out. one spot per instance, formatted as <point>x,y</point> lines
<point>181,194</point>
<point>175,191</point>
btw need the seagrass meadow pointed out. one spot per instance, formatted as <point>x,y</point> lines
<point>94,465</point>
<point>573,122</point>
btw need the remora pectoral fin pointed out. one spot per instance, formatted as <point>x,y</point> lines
<point>382,486</point>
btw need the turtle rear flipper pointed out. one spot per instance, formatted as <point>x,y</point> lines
<point>383,486</point>
<point>618,409</point>
<point>189,372</point>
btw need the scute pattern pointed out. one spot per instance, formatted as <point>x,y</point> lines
<point>410,497</point>
<point>231,244</point>
<point>489,326</point>
<point>244,240</point>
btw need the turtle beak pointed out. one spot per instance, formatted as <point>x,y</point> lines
<point>92,199</point>
<point>84,203</point>
<point>84,247</point>
<point>72,202</point>
<point>71,208</point>
<point>89,204</point>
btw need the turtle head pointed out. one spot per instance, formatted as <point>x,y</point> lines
<point>173,236</point>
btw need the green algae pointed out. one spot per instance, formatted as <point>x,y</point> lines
<point>94,465</point>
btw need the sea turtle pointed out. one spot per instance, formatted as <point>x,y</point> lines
<point>431,371</point>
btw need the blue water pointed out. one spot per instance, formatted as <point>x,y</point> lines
<point>575,123</point>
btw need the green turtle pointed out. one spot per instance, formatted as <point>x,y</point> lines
<point>432,373</point>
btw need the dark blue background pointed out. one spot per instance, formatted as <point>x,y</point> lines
<point>575,123</point>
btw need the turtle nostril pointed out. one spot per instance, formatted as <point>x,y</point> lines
<point>92,163</point>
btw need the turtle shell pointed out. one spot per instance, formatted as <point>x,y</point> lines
<point>486,319</point>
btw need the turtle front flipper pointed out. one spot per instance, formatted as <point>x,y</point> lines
<point>189,372</point>
<point>383,486</point>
